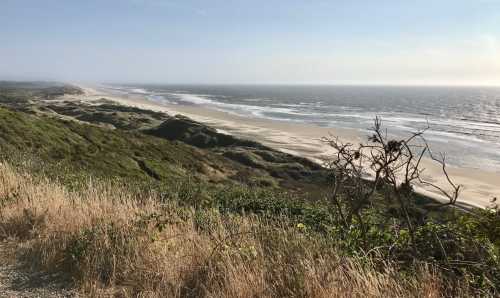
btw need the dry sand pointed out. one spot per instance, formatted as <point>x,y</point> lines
<point>478,186</point>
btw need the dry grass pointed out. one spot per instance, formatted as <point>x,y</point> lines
<point>110,242</point>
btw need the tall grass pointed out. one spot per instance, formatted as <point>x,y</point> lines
<point>110,241</point>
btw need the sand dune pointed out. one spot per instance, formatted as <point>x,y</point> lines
<point>478,186</point>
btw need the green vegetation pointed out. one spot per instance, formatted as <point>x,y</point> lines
<point>157,216</point>
<point>108,140</point>
<point>101,152</point>
<point>108,114</point>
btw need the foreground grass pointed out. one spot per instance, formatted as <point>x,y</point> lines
<point>110,241</point>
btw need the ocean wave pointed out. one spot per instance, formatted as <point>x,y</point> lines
<point>139,91</point>
<point>159,98</point>
<point>466,125</point>
<point>128,89</point>
<point>192,98</point>
<point>302,112</point>
<point>456,128</point>
<point>244,109</point>
<point>253,99</point>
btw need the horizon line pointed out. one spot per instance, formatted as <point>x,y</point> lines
<point>340,84</point>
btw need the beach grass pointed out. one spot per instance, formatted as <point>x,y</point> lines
<point>109,241</point>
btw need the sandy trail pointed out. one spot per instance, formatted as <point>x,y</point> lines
<point>478,186</point>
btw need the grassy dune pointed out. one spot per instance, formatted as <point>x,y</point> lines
<point>125,202</point>
<point>108,240</point>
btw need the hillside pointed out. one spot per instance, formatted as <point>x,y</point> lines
<point>120,201</point>
<point>109,140</point>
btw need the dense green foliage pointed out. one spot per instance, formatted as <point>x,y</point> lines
<point>101,152</point>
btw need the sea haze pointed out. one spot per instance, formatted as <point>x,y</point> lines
<point>464,121</point>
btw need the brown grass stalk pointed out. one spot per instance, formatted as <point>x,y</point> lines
<point>109,242</point>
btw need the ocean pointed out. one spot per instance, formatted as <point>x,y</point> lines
<point>464,121</point>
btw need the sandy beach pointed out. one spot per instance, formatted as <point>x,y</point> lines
<point>478,186</point>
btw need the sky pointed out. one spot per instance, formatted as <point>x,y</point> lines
<point>408,42</point>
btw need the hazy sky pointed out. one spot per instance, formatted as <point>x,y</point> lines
<point>252,41</point>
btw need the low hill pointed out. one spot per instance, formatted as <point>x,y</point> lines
<point>109,140</point>
<point>110,200</point>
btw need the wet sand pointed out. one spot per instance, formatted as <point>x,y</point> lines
<point>478,186</point>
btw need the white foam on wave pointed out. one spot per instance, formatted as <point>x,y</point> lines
<point>442,129</point>
<point>465,124</point>
<point>253,99</point>
<point>159,98</point>
<point>129,90</point>
<point>409,121</point>
<point>242,109</point>
<point>139,91</point>
<point>192,98</point>
<point>366,116</point>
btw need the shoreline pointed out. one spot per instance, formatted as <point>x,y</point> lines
<point>302,139</point>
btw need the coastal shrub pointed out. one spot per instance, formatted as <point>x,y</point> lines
<point>374,199</point>
<point>485,223</point>
<point>384,169</point>
<point>112,242</point>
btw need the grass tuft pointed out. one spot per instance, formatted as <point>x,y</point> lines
<point>108,240</point>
